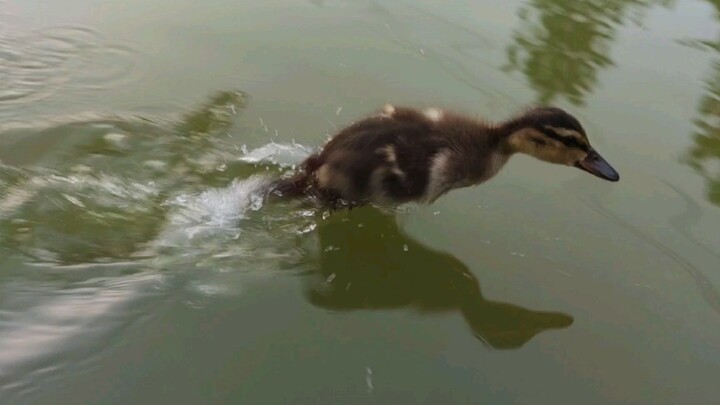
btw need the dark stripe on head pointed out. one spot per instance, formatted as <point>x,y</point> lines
<point>569,141</point>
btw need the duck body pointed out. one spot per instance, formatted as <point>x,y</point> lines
<point>406,155</point>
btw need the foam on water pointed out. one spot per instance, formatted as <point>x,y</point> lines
<point>214,211</point>
<point>280,154</point>
<point>218,212</point>
<point>86,227</point>
<point>216,241</point>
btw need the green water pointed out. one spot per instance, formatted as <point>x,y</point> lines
<point>139,264</point>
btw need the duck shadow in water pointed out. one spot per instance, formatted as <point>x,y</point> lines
<point>376,266</point>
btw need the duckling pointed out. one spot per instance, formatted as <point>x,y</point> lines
<point>404,154</point>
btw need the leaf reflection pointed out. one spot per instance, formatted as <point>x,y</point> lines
<point>563,44</point>
<point>704,155</point>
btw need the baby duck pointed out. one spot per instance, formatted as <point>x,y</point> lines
<point>404,154</point>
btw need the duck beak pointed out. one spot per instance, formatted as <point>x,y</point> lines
<point>595,164</point>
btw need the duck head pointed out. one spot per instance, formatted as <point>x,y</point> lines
<point>553,135</point>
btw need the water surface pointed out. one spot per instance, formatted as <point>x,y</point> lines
<point>141,264</point>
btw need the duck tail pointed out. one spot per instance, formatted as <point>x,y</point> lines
<point>290,187</point>
<point>298,184</point>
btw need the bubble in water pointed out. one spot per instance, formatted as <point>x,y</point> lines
<point>306,213</point>
<point>255,202</point>
<point>156,165</point>
<point>116,140</point>
<point>369,379</point>
<point>74,200</point>
<point>405,247</point>
<point>307,229</point>
<point>209,289</point>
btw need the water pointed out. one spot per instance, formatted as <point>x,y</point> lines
<point>140,262</point>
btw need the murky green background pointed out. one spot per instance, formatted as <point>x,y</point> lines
<point>139,264</point>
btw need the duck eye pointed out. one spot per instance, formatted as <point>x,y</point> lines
<point>538,141</point>
<point>574,143</point>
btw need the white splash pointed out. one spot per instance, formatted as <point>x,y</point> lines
<point>285,155</point>
<point>214,211</point>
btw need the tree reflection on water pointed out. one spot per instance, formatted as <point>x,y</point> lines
<point>563,44</point>
<point>704,154</point>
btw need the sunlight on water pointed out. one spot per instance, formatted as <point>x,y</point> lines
<point>41,319</point>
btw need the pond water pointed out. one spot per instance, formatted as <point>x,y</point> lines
<point>139,263</point>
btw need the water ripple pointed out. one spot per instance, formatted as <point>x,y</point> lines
<point>41,63</point>
<point>704,285</point>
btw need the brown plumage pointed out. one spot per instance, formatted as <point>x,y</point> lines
<point>404,154</point>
